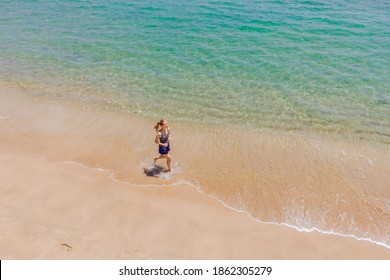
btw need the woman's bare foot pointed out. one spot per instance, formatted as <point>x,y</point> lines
<point>156,158</point>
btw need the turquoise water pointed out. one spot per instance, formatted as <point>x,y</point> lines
<point>284,65</point>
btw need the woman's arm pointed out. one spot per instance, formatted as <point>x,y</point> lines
<point>157,140</point>
<point>169,134</point>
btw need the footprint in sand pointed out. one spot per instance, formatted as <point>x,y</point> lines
<point>66,247</point>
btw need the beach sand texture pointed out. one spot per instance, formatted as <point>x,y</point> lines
<point>73,188</point>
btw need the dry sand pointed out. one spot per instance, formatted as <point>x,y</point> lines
<point>52,207</point>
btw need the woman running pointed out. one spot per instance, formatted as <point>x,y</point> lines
<point>162,139</point>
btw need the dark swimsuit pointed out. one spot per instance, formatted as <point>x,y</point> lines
<point>164,139</point>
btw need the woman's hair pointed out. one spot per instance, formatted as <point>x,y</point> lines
<point>160,123</point>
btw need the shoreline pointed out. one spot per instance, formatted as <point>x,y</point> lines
<point>147,223</point>
<point>41,137</point>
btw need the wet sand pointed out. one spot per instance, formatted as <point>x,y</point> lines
<point>73,188</point>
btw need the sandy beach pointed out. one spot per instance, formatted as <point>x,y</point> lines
<point>69,191</point>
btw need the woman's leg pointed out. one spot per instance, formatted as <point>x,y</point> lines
<point>157,157</point>
<point>169,159</point>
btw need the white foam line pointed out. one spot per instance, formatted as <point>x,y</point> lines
<point>331,232</point>
<point>82,165</point>
<point>148,185</point>
<point>292,226</point>
<point>112,174</point>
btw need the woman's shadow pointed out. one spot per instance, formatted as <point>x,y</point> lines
<point>154,171</point>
